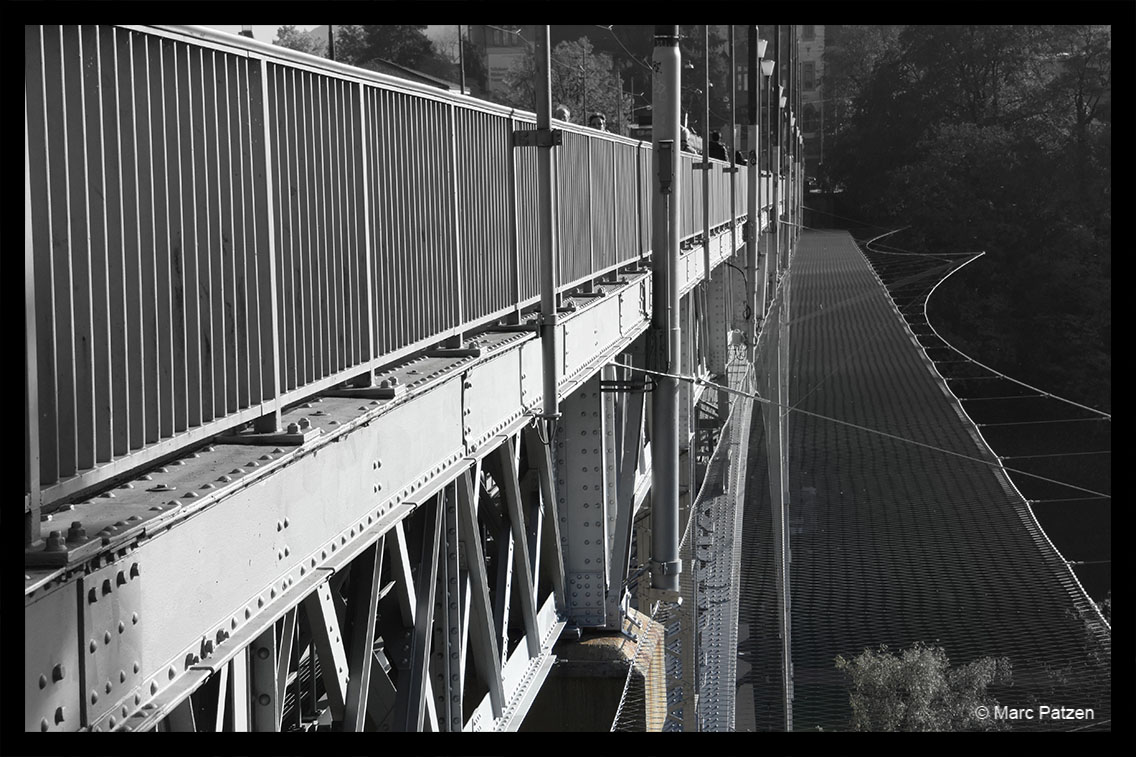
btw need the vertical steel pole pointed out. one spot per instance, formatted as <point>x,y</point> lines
<point>31,380</point>
<point>753,209</point>
<point>732,156</point>
<point>548,314</point>
<point>666,197</point>
<point>706,155</point>
<point>461,58</point>
<point>775,165</point>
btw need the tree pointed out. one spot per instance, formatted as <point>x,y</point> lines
<point>997,138</point>
<point>692,46</point>
<point>583,81</point>
<point>917,690</point>
<point>404,44</point>
<point>291,38</point>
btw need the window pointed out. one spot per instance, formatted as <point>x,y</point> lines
<point>808,75</point>
<point>808,32</point>
<point>809,119</point>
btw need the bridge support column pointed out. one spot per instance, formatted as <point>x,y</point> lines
<point>585,478</point>
<point>721,319</point>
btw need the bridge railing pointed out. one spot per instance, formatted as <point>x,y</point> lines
<point>219,227</point>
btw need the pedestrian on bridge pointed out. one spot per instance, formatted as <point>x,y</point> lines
<point>598,121</point>
<point>716,148</point>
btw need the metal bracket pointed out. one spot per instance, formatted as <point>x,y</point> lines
<point>733,169</point>
<point>388,389</point>
<point>630,387</point>
<point>538,138</point>
<point>527,326</point>
<point>469,351</point>
<point>672,568</point>
<point>295,434</point>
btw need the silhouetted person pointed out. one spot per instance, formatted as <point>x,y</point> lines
<point>716,149</point>
<point>598,121</point>
<point>562,113</point>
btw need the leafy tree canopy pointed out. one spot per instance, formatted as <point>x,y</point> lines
<point>995,138</point>
<point>918,690</point>
<point>582,80</point>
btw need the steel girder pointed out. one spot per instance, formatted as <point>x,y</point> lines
<point>259,565</point>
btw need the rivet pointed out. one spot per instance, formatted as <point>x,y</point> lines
<point>154,687</point>
<point>264,699</point>
<point>60,714</point>
<point>106,638</point>
<point>137,667</point>
<point>43,681</point>
<point>109,687</point>
<point>121,626</point>
<point>122,676</point>
<point>134,618</point>
<point>94,646</point>
<point>94,697</point>
<point>111,721</point>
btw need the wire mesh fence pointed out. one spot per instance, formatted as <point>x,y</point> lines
<point>693,642</point>
<point>877,513</point>
<point>902,525</point>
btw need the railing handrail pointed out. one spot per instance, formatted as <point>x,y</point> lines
<point>243,175</point>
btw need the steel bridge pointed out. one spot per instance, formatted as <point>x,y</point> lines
<point>283,465</point>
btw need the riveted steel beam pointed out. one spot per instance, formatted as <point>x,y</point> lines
<point>487,657</point>
<point>240,553</point>
<point>411,699</point>
<point>506,475</point>
<point>365,586</point>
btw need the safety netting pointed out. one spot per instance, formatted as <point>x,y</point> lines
<point>885,518</point>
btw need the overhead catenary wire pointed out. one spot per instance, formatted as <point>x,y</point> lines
<point>994,371</point>
<point>894,437</point>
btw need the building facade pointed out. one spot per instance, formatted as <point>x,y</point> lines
<point>811,50</point>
